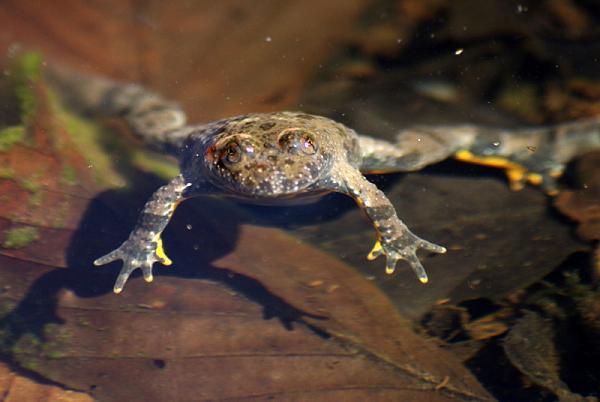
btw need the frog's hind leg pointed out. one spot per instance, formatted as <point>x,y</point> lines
<point>413,149</point>
<point>535,155</point>
<point>157,121</point>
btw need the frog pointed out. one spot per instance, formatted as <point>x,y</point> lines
<point>282,156</point>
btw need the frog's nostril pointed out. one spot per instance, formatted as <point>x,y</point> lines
<point>261,165</point>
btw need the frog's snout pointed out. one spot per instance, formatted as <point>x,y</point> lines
<point>262,165</point>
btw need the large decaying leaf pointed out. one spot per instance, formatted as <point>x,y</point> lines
<point>15,388</point>
<point>583,205</point>
<point>187,337</point>
<point>332,335</point>
<point>218,59</point>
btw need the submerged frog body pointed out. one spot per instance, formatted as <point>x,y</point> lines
<point>277,157</point>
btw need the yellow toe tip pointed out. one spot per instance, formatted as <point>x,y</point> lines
<point>117,290</point>
<point>424,280</point>
<point>515,185</point>
<point>149,278</point>
<point>375,252</point>
<point>535,178</point>
<point>160,253</point>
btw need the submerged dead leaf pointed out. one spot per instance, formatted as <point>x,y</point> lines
<point>531,347</point>
<point>583,205</point>
<point>181,337</point>
<point>218,59</point>
<point>42,171</point>
<point>16,388</point>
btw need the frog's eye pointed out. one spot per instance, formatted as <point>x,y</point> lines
<point>308,144</point>
<point>296,140</point>
<point>232,153</point>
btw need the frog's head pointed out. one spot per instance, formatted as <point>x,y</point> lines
<point>267,156</point>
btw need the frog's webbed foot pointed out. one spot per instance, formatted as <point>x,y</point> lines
<point>538,172</point>
<point>135,253</point>
<point>404,248</point>
<point>144,246</point>
<point>394,238</point>
<point>536,156</point>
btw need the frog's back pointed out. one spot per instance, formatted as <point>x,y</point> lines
<point>269,155</point>
<point>333,137</point>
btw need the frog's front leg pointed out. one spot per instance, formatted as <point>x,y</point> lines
<point>394,239</point>
<point>144,246</point>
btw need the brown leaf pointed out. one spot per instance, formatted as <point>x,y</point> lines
<point>583,205</point>
<point>17,388</point>
<point>530,346</point>
<point>188,337</point>
<point>42,171</point>
<point>218,58</point>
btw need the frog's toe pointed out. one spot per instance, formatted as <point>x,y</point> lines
<point>417,267</point>
<point>390,264</point>
<point>406,250</point>
<point>375,252</point>
<point>124,274</point>
<point>147,272</point>
<point>131,265</point>
<point>549,183</point>
<point>114,255</point>
<point>434,248</point>
<point>412,259</point>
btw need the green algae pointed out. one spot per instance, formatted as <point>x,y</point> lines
<point>88,138</point>
<point>68,175</point>
<point>28,73</point>
<point>30,184</point>
<point>35,200</point>
<point>30,66</point>
<point>154,163</point>
<point>7,173</point>
<point>24,75</point>
<point>34,187</point>
<point>28,347</point>
<point>97,144</point>
<point>26,351</point>
<point>10,136</point>
<point>20,237</point>
<point>112,160</point>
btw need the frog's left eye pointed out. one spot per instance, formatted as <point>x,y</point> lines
<point>232,153</point>
<point>296,140</point>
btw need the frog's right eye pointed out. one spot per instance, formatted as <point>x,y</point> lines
<point>231,154</point>
<point>296,140</point>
